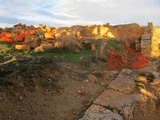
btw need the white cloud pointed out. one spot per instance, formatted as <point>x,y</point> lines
<point>70,12</point>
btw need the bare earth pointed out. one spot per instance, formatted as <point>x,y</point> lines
<point>62,94</point>
<point>58,91</point>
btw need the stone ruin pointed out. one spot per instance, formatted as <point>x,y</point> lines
<point>42,38</point>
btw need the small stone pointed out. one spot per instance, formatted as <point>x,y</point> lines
<point>82,92</point>
<point>102,83</point>
<point>10,117</point>
<point>86,80</point>
<point>49,79</point>
<point>20,98</point>
<point>61,91</point>
<point>92,78</point>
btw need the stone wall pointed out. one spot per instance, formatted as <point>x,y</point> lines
<point>150,40</point>
<point>146,39</point>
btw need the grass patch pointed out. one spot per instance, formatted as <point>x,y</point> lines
<point>7,51</point>
<point>66,56</point>
<point>114,44</point>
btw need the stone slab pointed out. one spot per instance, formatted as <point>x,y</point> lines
<point>117,100</point>
<point>96,112</point>
<point>126,86</point>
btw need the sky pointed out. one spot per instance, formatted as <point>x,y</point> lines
<point>59,13</point>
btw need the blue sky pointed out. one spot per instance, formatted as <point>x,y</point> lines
<point>71,12</point>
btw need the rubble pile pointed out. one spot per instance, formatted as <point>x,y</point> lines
<point>77,37</point>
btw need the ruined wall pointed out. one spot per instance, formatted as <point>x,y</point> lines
<point>146,39</point>
<point>128,31</point>
<point>138,37</point>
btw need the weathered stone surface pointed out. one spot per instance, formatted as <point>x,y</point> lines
<point>145,43</point>
<point>127,73</point>
<point>126,86</point>
<point>96,112</point>
<point>117,100</point>
<point>146,37</point>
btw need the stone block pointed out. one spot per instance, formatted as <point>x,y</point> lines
<point>146,37</point>
<point>117,100</point>
<point>145,43</point>
<point>96,112</point>
<point>126,86</point>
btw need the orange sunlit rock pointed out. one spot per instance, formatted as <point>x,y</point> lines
<point>49,35</point>
<point>7,37</point>
<point>21,47</point>
<point>102,31</point>
<point>95,31</point>
<point>155,46</point>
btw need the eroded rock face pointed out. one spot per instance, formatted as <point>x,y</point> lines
<point>96,112</point>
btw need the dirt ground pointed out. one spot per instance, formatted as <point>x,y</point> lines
<point>40,89</point>
<point>59,93</point>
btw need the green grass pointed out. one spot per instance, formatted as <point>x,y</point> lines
<point>7,51</point>
<point>66,56</point>
<point>114,44</point>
